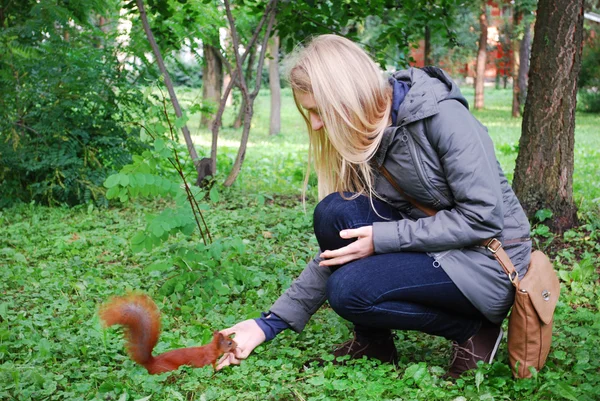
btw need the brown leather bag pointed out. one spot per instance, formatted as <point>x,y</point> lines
<point>532,315</point>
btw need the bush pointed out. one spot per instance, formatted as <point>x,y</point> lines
<point>63,119</point>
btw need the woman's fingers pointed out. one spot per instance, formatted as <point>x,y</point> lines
<point>226,360</point>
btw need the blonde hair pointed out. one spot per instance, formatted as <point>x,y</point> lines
<point>354,102</point>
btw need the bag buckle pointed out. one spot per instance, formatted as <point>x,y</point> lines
<point>493,245</point>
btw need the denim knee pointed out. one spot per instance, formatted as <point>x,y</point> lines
<point>342,295</point>
<point>333,214</point>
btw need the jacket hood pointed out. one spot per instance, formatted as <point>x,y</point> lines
<point>428,87</point>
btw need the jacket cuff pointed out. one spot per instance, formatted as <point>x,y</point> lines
<point>385,237</point>
<point>291,312</point>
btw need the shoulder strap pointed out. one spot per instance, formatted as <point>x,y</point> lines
<point>493,245</point>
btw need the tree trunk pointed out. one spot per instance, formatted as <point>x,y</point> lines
<point>544,169</point>
<point>481,56</point>
<point>250,97</point>
<point>275,85</point>
<point>239,120</point>
<point>524,53</point>
<point>169,85</point>
<point>427,58</point>
<point>516,64</point>
<point>212,81</point>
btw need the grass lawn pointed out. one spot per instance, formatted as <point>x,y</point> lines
<point>58,264</point>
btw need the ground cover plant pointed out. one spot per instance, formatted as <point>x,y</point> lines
<point>58,264</point>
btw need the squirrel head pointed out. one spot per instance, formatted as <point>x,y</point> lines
<point>225,343</point>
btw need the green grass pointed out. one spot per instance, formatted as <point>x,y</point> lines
<point>57,265</point>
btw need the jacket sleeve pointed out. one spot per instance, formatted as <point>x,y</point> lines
<point>304,297</point>
<point>466,153</point>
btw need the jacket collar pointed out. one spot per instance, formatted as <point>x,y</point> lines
<point>427,87</point>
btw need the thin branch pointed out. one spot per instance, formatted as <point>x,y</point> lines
<point>263,50</point>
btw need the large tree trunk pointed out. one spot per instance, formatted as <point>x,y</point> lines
<point>169,85</point>
<point>516,64</point>
<point>544,170</point>
<point>275,85</point>
<point>212,81</point>
<point>481,56</point>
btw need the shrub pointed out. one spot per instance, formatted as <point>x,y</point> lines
<point>63,115</point>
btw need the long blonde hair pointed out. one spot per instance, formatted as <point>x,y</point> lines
<point>354,102</point>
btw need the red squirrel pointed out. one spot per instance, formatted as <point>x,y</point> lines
<point>141,318</point>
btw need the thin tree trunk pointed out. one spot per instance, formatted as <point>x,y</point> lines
<point>427,59</point>
<point>481,57</point>
<point>239,160</point>
<point>275,85</point>
<point>516,65</point>
<point>544,169</point>
<point>239,120</point>
<point>238,74</point>
<point>169,85</point>
<point>524,53</point>
<point>212,81</point>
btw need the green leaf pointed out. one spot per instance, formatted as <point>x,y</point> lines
<point>124,180</point>
<point>181,121</point>
<point>543,214</point>
<point>478,379</point>
<point>214,195</point>
<point>138,238</point>
<point>112,193</point>
<point>158,267</point>
<point>566,391</point>
<point>159,144</point>
<point>112,180</point>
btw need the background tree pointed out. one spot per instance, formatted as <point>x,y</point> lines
<point>523,15</point>
<point>544,170</point>
<point>63,121</point>
<point>481,56</point>
<point>275,86</point>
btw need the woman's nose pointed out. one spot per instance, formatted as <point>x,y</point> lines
<point>315,121</point>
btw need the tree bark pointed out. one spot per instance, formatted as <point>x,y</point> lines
<point>275,85</point>
<point>481,58</point>
<point>544,168</point>
<point>169,85</point>
<point>516,64</point>
<point>212,81</point>
<point>427,59</point>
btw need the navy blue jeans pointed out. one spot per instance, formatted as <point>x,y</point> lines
<point>402,291</point>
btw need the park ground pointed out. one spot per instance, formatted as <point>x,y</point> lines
<point>58,264</point>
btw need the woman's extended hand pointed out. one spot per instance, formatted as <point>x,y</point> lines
<point>247,336</point>
<point>361,248</point>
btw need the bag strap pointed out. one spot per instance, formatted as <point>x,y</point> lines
<point>493,244</point>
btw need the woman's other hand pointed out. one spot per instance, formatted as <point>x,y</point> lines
<point>361,248</point>
<point>247,336</point>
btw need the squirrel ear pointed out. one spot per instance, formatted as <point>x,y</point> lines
<point>217,334</point>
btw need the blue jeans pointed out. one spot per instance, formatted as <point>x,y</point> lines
<point>402,291</point>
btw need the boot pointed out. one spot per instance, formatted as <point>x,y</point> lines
<point>379,347</point>
<point>481,347</point>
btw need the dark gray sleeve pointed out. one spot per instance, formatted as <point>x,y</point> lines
<point>304,297</point>
<point>467,157</point>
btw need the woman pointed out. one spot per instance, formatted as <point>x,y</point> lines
<point>384,263</point>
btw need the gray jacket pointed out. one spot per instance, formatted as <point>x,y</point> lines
<point>440,155</point>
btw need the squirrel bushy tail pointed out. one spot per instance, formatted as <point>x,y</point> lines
<point>141,319</point>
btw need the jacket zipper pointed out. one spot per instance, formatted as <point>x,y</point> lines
<point>417,162</point>
<point>424,181</point>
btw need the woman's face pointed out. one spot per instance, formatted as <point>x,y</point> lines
<point>307,101</point>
